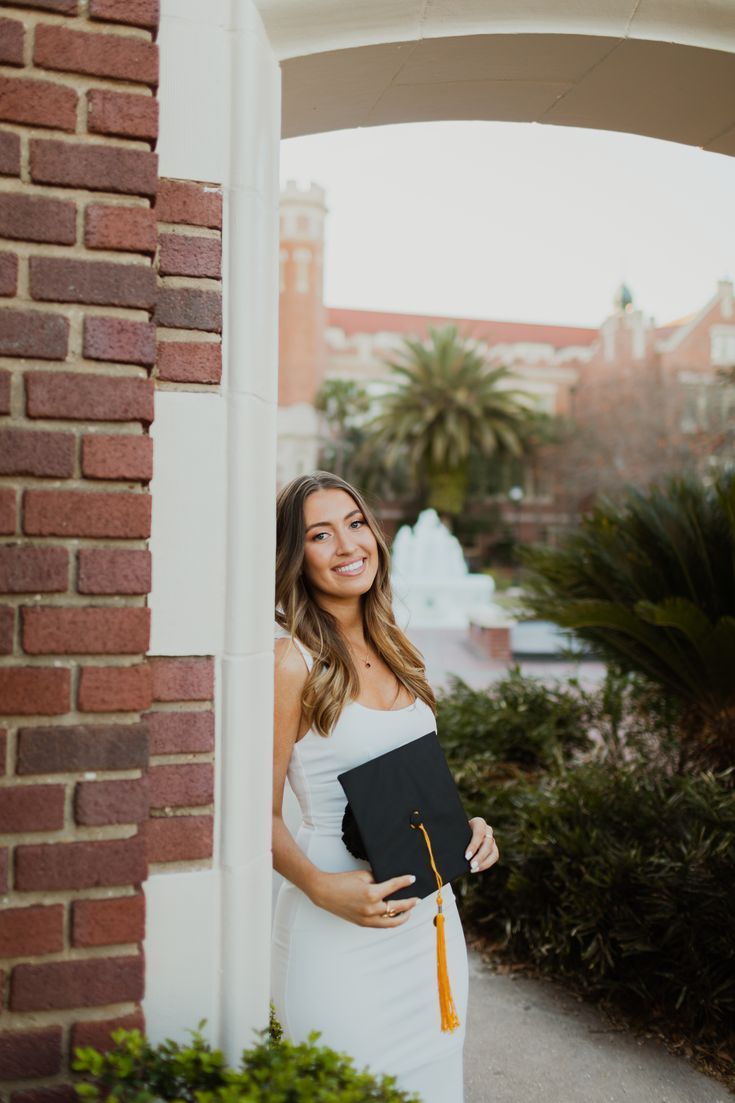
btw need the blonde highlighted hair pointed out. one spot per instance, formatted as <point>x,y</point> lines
<point>333,680</point>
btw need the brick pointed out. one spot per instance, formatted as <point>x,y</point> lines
<point>114,571</point>
<point>51,630</point>
<point>29,452</point>
<point>35,690</point>
<point>38,103</point>
<point>189,308</point>
<point>189,362</point>
<point>32,808</point>
<point>25,569</point>
<point>12,34</point>
<point>58,280</point>
<point>68,749</point>
<point>8,274</point>
<point>96,1032</point>
<point>137,13</point>
<point>26,1054</point>
<point>33,333</point>
<point>187,255</point>
<point>7,510</point>
<point>4,392</point>
<point>3,753</point>
<point>7,622</point>
<point>59,1093</point>
<point>99,55</point>
<point>121,457</point>
<point>82,396</point>
<point>115,689</point>
<point>103,802</point>
<point>120,340</point>
<point>192,204</point>
<point>129,229</point>
<point>181,732</point>
<point>38,218</point>
<point>83,865</point>
<point>3,869</point>
<point>179,838</point>
<point>85,513</point>
<point>28,931</point>
<point>60,7</point>
<point>122,114</point>
<point>60,984</point>
<point>94,167</point>
<point>181,785</point>
<point>9,153</point>
<point>176,679</point>
<point>108,922</point>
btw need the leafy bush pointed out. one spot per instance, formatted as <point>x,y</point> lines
<point>516,722</point>
<point>617,870</point>
<point>274,1070</point>
<point>650,582</point>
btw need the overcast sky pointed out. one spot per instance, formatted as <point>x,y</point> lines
<point>518,221</point>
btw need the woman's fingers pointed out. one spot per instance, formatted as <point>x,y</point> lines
<point>482,851</point>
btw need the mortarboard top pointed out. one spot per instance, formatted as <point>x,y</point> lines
<point>410,819</point>
<point>385,793</point>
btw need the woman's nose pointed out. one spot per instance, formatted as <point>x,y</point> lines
<point>346,541</point>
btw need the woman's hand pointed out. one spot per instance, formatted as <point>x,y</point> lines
<point>357,897</point>
<point>482,851</point>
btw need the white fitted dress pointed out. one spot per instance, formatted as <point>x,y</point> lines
<point>372,993</point>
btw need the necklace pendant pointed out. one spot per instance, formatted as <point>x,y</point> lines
<point>367,663</point>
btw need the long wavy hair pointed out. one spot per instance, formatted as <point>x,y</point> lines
<point>333,680</point>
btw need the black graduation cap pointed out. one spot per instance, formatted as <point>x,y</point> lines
<point>405,816</point>
<point>389,798</point>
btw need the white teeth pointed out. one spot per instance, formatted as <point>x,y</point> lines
<point>351,568</point>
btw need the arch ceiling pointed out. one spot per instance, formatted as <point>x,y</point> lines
<point>661,68</point>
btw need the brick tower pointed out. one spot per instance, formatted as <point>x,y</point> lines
<point>302,314</point>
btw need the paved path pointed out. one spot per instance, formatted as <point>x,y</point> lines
<point>531,1041</point>
<point>450,651</point>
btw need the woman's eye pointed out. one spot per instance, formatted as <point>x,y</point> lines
<point>357,522</point>
<point>318,535</point>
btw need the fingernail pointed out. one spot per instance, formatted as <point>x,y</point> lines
<point>413,878</point>
<point>473,866</point>
<point>468,854</point>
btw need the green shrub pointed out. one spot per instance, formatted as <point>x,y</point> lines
<point>622,878</point>
<point>516,722</point>
<point>273,1070</point>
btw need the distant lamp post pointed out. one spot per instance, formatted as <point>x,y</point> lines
<point>515,494</point>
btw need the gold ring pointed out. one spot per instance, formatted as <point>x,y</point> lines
<point>389,913</point>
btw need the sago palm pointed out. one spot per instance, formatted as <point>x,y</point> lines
<point>446,404</point>
<point>650,581</point>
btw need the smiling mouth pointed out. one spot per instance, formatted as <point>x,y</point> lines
<point>351,568</point>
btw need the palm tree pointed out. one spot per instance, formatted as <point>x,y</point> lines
<point>446,405</point>
<point>650,582</point>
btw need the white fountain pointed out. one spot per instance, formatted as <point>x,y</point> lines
<point>431,581</point>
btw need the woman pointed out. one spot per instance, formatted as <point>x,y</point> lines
<point>349,686</point>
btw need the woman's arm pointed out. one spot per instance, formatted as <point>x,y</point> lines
<point>354,896</point>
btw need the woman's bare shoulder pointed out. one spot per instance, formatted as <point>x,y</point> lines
<point>291,672</point>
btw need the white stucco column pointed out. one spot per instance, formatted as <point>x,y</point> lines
<point>208,929</point>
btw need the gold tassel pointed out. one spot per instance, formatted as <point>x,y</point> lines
<point>449,1017</point>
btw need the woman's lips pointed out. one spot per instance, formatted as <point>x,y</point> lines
<point>349,570</point>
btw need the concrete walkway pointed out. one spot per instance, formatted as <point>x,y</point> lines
<point>531,1041</point>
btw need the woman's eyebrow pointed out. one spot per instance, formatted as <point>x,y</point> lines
<point>328,524</point>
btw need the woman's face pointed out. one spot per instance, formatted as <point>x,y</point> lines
<point>340,551</point>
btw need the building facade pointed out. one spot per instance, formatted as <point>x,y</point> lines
<point>645,399</point>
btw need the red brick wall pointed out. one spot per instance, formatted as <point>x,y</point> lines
<point>78,122</point>
<point>181,777</point>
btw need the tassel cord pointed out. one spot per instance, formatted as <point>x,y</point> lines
<point>449,1017</point>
